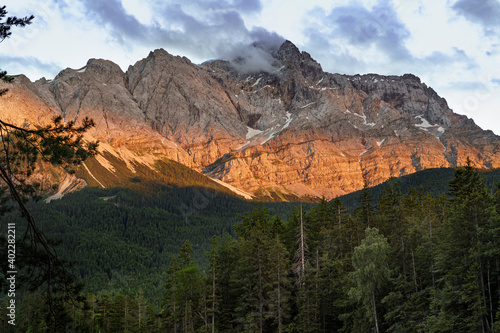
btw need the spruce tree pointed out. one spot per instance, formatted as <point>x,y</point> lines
<point>460,258</point>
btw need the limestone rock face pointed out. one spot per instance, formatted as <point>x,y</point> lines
<point>185,104</point>
<point>291,128</point>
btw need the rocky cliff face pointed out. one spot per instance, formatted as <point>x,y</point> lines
<point>292,129</point>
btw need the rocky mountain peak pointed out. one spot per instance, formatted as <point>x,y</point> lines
<point>159,53</point>
<point>100,70</point>
<point>289,53</point>
<point>299,63</point>
<point>103,67</point>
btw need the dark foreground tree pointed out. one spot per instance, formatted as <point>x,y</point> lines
<point>22,149</point>
<point>5,31</point>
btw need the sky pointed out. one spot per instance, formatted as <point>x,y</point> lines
<point>452,45</point>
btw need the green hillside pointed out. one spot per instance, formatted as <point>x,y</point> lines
<point>432,181</point>
<point>122,239</point>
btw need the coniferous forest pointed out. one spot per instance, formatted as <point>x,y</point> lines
<point>405,261</point>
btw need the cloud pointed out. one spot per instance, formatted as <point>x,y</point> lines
<point>378,26</point>
<point>248,6</point>
<point>436,59</point>
<point>112,14</point>
<point>206,29</point>
<point>259,56</point>
<point>483,12</point>
<point>253,58</point>
<point>18,65</point>
<point>357,39</point>
<point>332,53</point>
<point>466,85</point>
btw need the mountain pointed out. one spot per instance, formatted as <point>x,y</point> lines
<point>285,130</point>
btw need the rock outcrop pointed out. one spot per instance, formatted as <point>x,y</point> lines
<point>292,129</point>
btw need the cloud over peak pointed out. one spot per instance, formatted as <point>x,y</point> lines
<point>483,12</point>
<point>378,27</point>
<point>201,28</point>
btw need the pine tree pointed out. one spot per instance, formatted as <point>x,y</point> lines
<point>227,286</point>
<point>183,293</point>
<point>460,259</point>
<point>5,32</point>
<point>341,228</point>
<point>213,259</point>
<point>252,281</point>
<point>366,207</point>
<point>151,324</point>
<point>370,274</point>
<point>171,297</point>
<point>22,148</point>
<point>278,281</point>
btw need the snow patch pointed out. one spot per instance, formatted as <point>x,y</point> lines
<point>320,80</point>
<point>379,143</point>
<point>288,120</point>
<point>270,137</point>
<point>364,119</point>
<point>273,133</point>
<point>433,129</point>
<point>364,152</point>
<point>243,145</point>
<point>266,86</point>
<point>252,132</point>
<point>81,70</point>
<point>257,82</point>
<point>425,124</point>
<point>361,155</point>
<point>305,106</point>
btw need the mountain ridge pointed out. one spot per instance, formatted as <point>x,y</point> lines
<point>289,128</point>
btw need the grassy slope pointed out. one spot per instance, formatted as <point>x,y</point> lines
<point>165,173</point>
